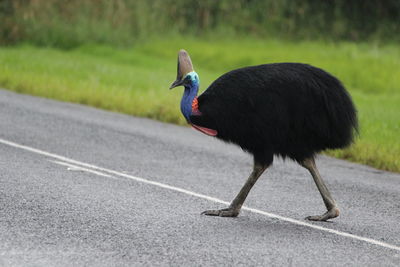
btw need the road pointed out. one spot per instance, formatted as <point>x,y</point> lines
<point>81,186</point>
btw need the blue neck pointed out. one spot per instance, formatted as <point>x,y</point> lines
<point>187,99</point>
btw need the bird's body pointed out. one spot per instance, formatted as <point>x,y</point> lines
<point>291,110</point>
<point>287,109</point>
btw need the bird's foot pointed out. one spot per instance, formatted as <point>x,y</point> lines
<point>332,213</point>
<point>229,212</point>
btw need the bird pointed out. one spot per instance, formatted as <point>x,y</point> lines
<point>288,110</point>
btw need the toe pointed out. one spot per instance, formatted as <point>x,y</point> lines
<point>222,213</point>
<point>315,218</point>
<point>211,212</point>
<point>333,213</point>
<point>228,213</point>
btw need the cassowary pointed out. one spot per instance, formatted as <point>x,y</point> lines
<point>291,110</point>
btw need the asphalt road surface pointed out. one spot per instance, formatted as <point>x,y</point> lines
<point>81,186</point>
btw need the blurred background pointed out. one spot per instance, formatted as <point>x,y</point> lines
<point>120,55</point>
<point>67,24</point>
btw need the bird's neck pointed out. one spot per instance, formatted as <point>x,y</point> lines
<point>189,95</point>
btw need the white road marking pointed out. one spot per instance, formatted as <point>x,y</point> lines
<point>194,194</point>
<point>78,168</point>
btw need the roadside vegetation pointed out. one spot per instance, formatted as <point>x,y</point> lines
<point>67,24</point>
<point>135,80</point>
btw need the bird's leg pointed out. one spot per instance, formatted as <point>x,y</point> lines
<point>330,204</point>
<point>236,205</point>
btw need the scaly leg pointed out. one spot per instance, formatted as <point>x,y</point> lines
<point>330,204</point>
<point>236,205</point>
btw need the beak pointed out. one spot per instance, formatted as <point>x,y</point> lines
<point>184,67</point>
<point>176,83</point>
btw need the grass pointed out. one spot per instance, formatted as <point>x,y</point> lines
<point>136,80</point>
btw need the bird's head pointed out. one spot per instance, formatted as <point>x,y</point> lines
<point>186,75</point>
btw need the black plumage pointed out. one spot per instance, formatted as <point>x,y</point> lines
<point>291,110</point>
<point>288,109</point>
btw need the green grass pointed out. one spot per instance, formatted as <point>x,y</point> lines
<point>136,80</point>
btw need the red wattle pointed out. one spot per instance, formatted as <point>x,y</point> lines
<point>204,130</point>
